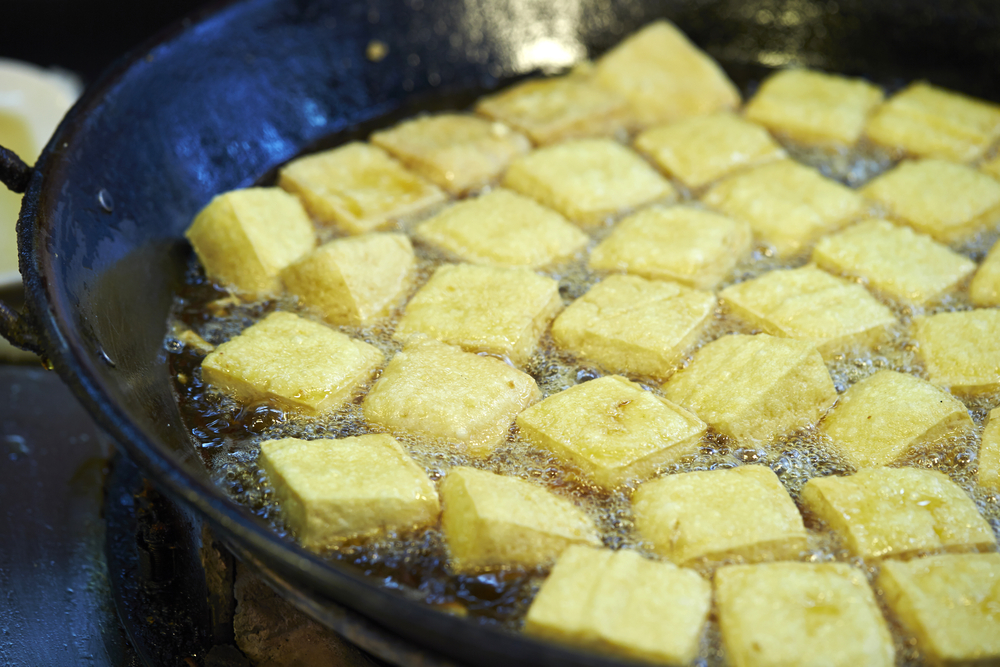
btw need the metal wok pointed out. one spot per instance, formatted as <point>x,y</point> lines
<point>221,100</point>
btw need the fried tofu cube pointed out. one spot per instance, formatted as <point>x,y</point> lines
<point>357,187</point>
<point>457,152</point>
<point>989,452</point>
<point>665,77</point>
<point>557,109</point>
<point>950,603</point>
<point>961,350</point>
<point>244,238</point>
<point>335,490</point>
<point>884,416</point>
<point>927,121</point>
<point>633,325</point>
<point>690,246</point>
<point>788,205</point>
<point>296,363</point>
<point>754,387</point>
<point>813,107</point>
<point>699,150</point>
<point>620,603</point>
<point>810,304</point>
<point>948,201</point>
<point>504,228</point>
<point>807,614</point>
<point>984,291</point>
<point>483,309</point>
<point>352,280</point>
<point>882,512</point>
<point>612,429</point>
<point>896,261</point>
<point>588,180</point>
<point>437,391</point>
<point>496,522</point>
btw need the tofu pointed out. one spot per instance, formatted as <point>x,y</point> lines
<point>961,350</point>
<point>984,291</point>
<point>503,228</point>
<point>295,363</point>
<point>753,388</point>
<point>807,614</point>
<point>927,121</point>
<point>893,512</point>
<point>949,603</point>
<point>436,391</point>
<point>612,430</point>
<point>618,602</point>
<point>492,522</point>
<point>896,261</point>
<point>352,280</point>
<point>691,246</point>
<point>457,152</point>
<point>814,108</point>
<point>588,180</point>
<point>629,324</point>
<point>244,238</point>
<point>336,490</point>
<point>699,150</point>
<point>691,517</point>
<point>557,109</point>
<point>665,77</point>
<point>950,202</point>
<point>788,205</point>
<point>989,452</point>
<point>811,305</point>
<point>357,188</point>
<point>886,415</point>
<point>483,309</point>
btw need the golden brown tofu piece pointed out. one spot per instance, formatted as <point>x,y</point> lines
<point>882,512</point>
<point>989,452</point>
<point>985,288</point>
<point>357,187</point>
<point>961,350</point>
<point>612,429</point>
<point>457,152</point>
<point>296,363</point>
<point>244,238</point>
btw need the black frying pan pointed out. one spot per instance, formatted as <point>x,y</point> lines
<point>217,103</point>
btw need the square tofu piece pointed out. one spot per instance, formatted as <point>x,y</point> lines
<point>812,107</point>
<point>985,288</point>
<point>697,151</point>
<point>927,121</point>
<point>620,603</point>
<point>754,387</point>
<point>492,522</point>
<point>696,515</point>
<point>504,228</point>
<point>357,187</point>
<point>352,280</point>
<point>788,205</point>
<point>884,416</point>
<point>688,245</point>
<point>483,309</point>
<point>437,391</point>
<point>588,180</point>
<point>989,452</point>
<point>665,77</point>
<point>629,324</point>
<point>557,109</point>
<point>612,429</point>
<point>810,304</point>
<point>951,603</point>
<point>298,364</point>
<point>807,614</point>
<point>335,490</point>
<point>882,512</point>
<point>961,350</point>
<point>896,261</point>
<point>457,152</point>
<point>948,201</point>
<point>244,238</point>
